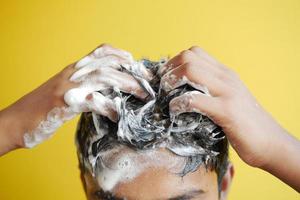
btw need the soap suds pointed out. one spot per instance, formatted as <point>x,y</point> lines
<point>118,115</point>
<point>184,103</point>
<point>55,118</point>
<point>96,72</point>
<point>123,165</point>
<point>145,125</point>
<point>170,81</point>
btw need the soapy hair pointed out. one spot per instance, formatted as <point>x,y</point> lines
<point>146,124</point>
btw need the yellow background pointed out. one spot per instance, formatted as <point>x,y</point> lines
<point>257,38</point>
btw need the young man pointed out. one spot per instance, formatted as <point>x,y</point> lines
<point>148,153</point>
<point>159,168</point>
<point>254,134</point>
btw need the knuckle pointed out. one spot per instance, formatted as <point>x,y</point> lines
<point>233,73</point>
<point>195,48</point>
<point>229,71</point>
<point>104,45</point>
<point>223,76</point>
<point>187,69</point>
<point>185,56</point>
<point>227,75</point>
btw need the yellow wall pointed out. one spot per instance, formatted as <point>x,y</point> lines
<point>260,39</point>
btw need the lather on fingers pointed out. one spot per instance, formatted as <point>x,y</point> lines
<point>105,69</point>
<point>111,61</point>
<point>99,104</point>
<point>194,101</point>
<point>103,79</point>
<point>197,69</point>
<point>195,75</point>
<point>103,51</point>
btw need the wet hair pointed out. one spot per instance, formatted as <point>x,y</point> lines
<point>147,124</point>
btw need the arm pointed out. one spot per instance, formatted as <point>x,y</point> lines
<point>257,138</point>
<point>25,115</point>
<point>37,115</point>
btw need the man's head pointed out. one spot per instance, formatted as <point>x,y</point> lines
<point>150,154</point>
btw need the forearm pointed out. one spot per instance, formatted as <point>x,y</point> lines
<point>284,163</point>
<point>24,115</point>
<point>73,90</point>
<point>10,131</point>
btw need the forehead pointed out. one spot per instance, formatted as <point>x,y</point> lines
<point>123,164</point>
<point>157,183</point>
<point>152,174</point>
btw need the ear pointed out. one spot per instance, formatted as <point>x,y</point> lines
<point>226,181</point>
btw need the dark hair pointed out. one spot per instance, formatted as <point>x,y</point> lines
<point>147,124</point>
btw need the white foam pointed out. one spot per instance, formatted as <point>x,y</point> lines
<point>183,103</point>
<point>55,118</point>
<point>121,165</point>
<point>96,72</point>
<point>170,81</point>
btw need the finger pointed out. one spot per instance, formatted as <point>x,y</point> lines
<point>139,69</point>
<point>102,51</point>
<point>204,59</point>
<point>190,56</point>
<point>75,98</point>
<point>99,104</point>
<point>111,78</point>
<point>108,61</point>
<point>204,55</point>
<point>83,100</point>
<point>196,76</point>
<point>105,50</point>
<point>194,101</point>
<point>84,61</point>
<point>177,60</point>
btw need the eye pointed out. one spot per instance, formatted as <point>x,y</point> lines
<point>101,195</point>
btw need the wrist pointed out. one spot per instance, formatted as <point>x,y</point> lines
<point>284,163</point>
<point>277,149</point>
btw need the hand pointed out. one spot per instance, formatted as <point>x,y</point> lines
<point>252,132</point>
<point>99,71</point>
<point>36,116</point>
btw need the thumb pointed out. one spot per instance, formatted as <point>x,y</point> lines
<point>98,103</point>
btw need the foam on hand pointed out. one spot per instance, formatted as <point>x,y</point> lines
<point>126,104</point>
<point>145,124</point>
<point>96,72</point>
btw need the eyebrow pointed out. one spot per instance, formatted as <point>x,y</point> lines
<point>100,194</point>
<point>188,195</point>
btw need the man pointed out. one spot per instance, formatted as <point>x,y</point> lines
<point>148,154</point>
<point>126,171</point>
<point>257,138</point>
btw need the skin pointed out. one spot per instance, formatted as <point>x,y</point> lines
<point>157,183</point>
<point>30,110</point>
<point>261,142</point>
<point>160,180</point>
<point>257,138</point>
